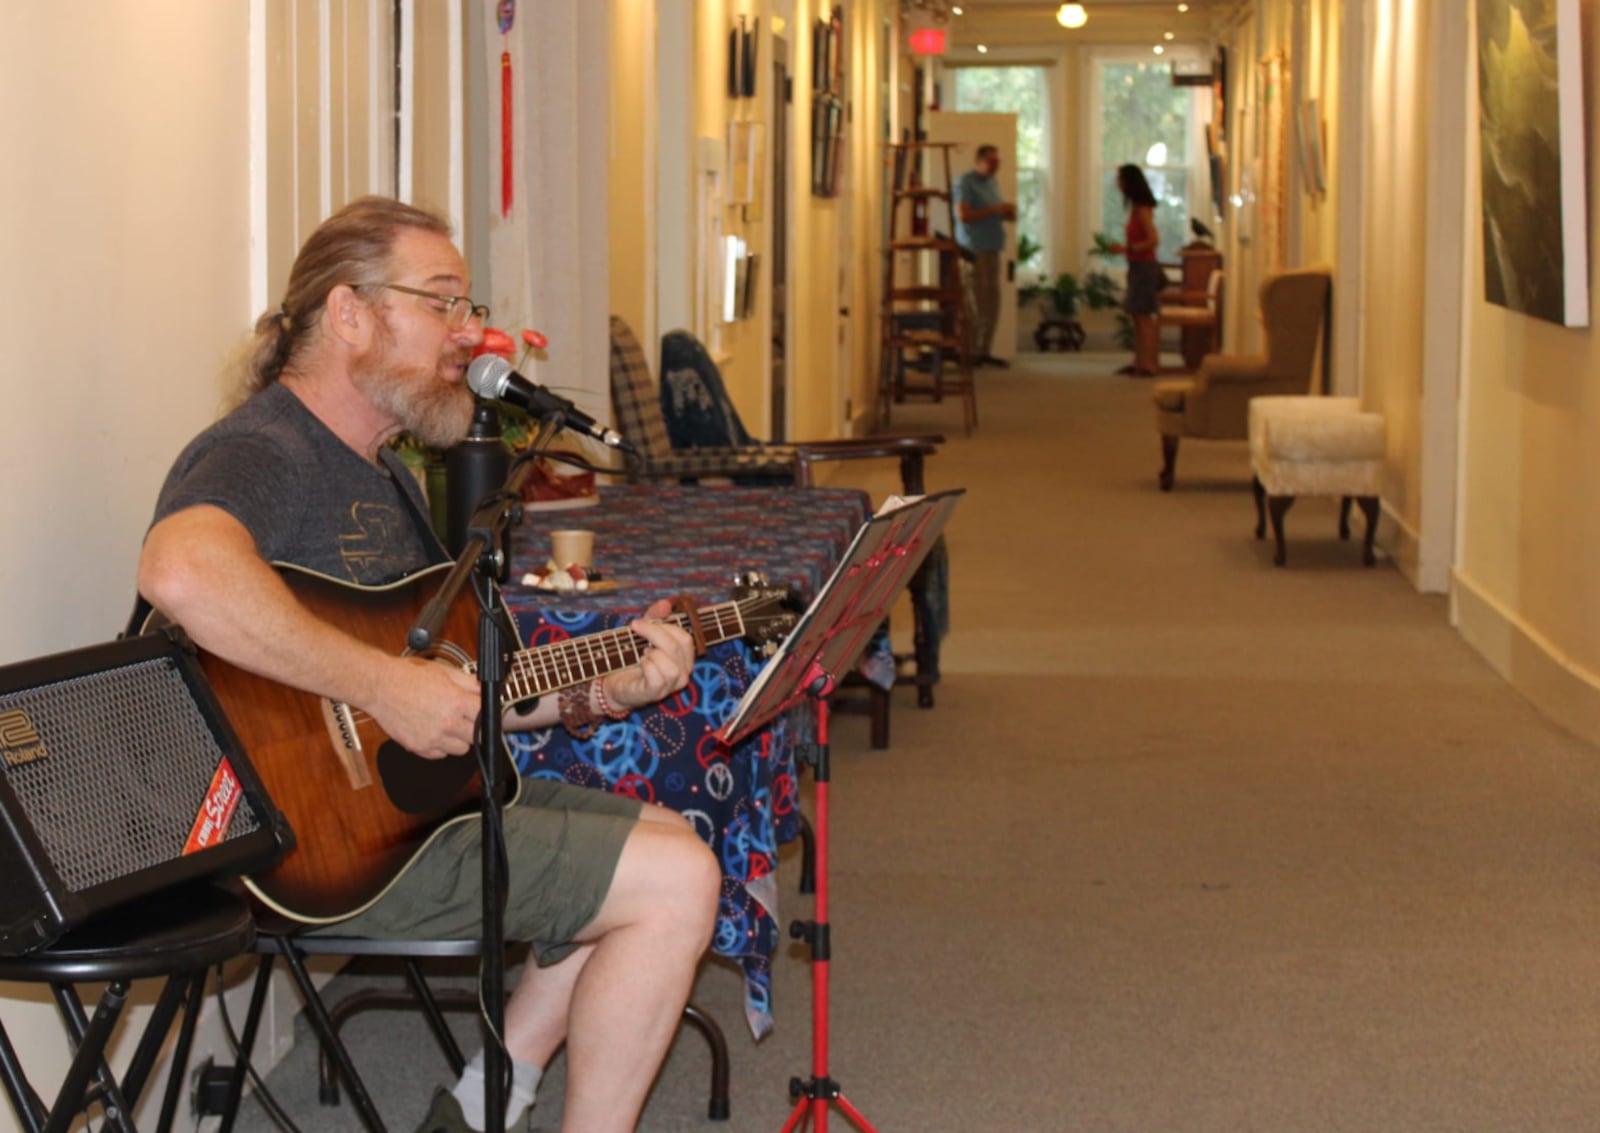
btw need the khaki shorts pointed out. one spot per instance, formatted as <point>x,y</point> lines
<point>562,847</point>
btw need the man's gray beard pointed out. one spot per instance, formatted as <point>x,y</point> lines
<point>438,418</point>
<point>435,412</point>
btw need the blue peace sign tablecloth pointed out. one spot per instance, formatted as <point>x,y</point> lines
<point>659,542</point>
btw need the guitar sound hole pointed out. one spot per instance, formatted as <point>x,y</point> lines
<point>421,786</point>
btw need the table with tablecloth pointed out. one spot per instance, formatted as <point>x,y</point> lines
<point>655,542</point>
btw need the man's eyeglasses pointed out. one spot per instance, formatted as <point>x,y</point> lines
<point>458,310</point>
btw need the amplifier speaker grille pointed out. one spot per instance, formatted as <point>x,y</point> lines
<point>141,761</point>
<point>109,761</point>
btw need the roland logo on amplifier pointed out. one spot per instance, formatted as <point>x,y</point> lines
<point>20,744</point>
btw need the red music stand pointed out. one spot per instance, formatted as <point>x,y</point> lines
<point>826,643</point>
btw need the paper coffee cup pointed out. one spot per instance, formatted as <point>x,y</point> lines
<point>568,547</point>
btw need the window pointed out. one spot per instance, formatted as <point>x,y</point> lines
<point>1142,119</point>
<point>1023,91</point>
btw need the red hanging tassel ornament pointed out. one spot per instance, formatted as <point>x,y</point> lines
<point>505,134</point>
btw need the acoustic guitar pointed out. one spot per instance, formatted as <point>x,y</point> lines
<point>361,807</point>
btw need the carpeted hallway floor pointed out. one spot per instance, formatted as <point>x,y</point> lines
<point>1188,843</point>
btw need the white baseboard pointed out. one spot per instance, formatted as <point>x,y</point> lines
<point>1401,542</point>
<point>1564,690</point>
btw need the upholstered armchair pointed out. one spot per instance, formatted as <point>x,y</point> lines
<point>1214,404</point>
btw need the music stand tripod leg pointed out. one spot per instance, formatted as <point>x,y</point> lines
<point>813,1096</point>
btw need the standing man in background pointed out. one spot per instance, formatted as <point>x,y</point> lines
<point>981,216</point>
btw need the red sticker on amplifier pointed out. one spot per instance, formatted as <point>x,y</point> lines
<point>211,824</point>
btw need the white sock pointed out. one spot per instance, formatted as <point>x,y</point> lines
<point>469,1091</point>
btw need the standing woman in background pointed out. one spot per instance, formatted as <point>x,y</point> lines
<point>1144,273</point>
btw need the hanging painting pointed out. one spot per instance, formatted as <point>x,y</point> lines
<point>1530,132</point>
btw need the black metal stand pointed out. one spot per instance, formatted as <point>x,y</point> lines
<point>481,561</point>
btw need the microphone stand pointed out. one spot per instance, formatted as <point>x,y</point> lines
<point>482,558</point>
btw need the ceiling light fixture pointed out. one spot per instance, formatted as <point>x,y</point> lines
<point>1071,16</point>
<point>956,11</point>
<point>1168,36</point>
<point>1159,50</point>
<point>1183,7</point>
<point>983,49</point>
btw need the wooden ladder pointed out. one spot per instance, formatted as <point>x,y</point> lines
<point>925,323</point>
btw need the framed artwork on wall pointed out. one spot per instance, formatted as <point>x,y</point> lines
<point>1310,131</point>
<point>827,129</point>
<point>1533,165</point>
<point>742,41</point>
<point>744,159</point>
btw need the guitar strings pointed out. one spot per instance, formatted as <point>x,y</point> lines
<point>543,664</point>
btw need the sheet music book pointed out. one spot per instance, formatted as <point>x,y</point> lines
<point>831,634</point>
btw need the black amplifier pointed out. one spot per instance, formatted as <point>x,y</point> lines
<point>119,776</point>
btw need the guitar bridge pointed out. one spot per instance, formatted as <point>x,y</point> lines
<point>346,740</point>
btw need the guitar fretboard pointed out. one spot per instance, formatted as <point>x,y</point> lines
<point>562,664</point>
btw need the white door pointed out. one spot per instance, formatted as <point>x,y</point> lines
<point>969,131</point>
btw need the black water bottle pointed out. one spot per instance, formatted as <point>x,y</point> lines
<point>474,467</point>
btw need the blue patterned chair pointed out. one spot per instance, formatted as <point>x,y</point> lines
<point>636,401</point>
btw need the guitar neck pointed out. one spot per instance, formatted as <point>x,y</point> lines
<point>562,664</point>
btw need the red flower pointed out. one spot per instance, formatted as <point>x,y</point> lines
<point>496,341</point>
<point>535,340</point>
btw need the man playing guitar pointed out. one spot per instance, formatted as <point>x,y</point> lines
<point>616,900</point>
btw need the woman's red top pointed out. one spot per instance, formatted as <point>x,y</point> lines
<point>1137,233</point>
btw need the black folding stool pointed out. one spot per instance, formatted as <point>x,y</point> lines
<point>177,934</point>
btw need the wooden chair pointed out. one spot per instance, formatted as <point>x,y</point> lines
<point>1198,315</point>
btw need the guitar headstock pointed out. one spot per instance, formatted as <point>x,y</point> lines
<point>769,612</point>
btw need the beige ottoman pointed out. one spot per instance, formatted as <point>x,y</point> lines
<point>1315,446</point>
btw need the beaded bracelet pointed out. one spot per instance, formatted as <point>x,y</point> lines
<point>606,707</point>
<point>576,714</point>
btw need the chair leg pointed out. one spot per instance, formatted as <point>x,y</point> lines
<point>720,1107</point>
<point>1260,493</point>
<point>89,1038</point>
<point>25,1102</point>
<point>176,1077</point>
<point>1344,517</point>
<point>911,473</point>
<point>174,993</point>
<point>328,1035</point>
<point>878,707</point>
<point>433,1006</point>
<point>435,1017</point>
<point>1279,507</point>
<point>808,856</point>
<point>923,643</point>
<point>1169,462</point>
<point>1370,509</point>
<point>247,1042</point>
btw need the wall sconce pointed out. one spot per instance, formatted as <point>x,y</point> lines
<point>1071,16</point>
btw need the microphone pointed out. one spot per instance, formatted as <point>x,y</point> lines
<point>491,376</point>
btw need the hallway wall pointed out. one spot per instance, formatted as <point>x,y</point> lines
<point>124,220</point>
<point>1527,579</point>
<point>1395,282</point>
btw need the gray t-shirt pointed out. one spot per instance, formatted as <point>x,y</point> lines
<point>975,190</point>
<point>304,495</point>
